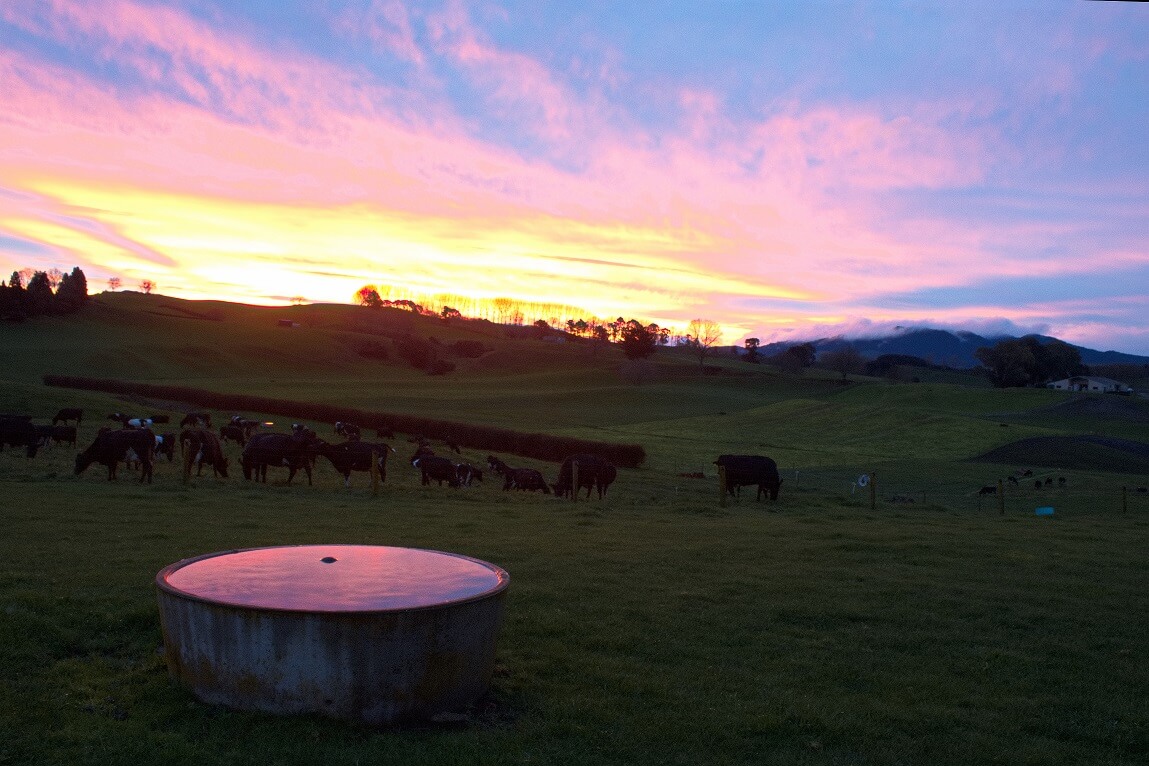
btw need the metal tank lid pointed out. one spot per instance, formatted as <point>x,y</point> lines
<point>333,578</point>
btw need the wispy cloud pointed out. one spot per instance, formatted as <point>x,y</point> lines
<point>144,138</point>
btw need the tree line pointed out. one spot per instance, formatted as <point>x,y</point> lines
<point>637,340</point>
<point>46,293</point>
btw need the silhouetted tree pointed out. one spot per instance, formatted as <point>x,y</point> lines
<point>41,299</point>
<point>114,283</point>
<point>752,350</point>
<point>368,296</point>
<point>797,358</point>
<point>72,293</point>
<point>845,360</point>
<point>637,342</point>
<point>146,286</point>
<point>702,334</point>
<point>1017,362</point>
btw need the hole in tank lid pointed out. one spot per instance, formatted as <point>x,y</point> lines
<point>329,559</point>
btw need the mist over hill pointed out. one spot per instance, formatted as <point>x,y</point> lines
<point>951,348</point>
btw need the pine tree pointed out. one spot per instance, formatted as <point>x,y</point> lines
<point>72,293</point>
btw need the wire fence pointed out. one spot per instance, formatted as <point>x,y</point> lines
<point>1038,493</point>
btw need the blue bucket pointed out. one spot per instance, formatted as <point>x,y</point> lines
<point>1044,510</point>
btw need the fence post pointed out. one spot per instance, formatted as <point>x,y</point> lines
<point>722,486</point>
<point>374,473</point>
<point>1000,498</point>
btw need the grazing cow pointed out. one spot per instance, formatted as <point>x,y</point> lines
<point>1037,484</point>
<point>64,435</point>
<point>467,474</point>
<point>348,431</point>
<point>196,420</point>
<point>1013,480</point>
<point>1061,481</point>
<point>234,433</point>
<point>18,431</point>
<point>249,426</point>
<point>112,447</point>
<point>355,456</point>
<point>1141,490</point>
<point>496,465</point>
<point>987,490</point>
<point>433,468</point>
<point>527,479</point>
<point>159,419</point>
<point>594,472</point>
<point>203,446</point>
<point>166,445</point>
<point>452,445</point>
<point>293,451</point>
<point>749,470</point>
<point>68,414</point>
<point>420,452</point>
<point>1049,481</point>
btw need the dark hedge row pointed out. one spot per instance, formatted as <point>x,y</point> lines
<point>488,438</point>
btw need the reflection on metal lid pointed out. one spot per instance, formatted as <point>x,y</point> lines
<point>334,578</point>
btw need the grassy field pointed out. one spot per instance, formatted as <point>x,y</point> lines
<point>653,627</point>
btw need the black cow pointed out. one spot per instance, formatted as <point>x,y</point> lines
<point>355,456</point>
<point>348,431</point>
<point>749,470</point>
<point>468,474</point>
<point>196,420</point>
<point>496,465</point>
<point>594,472</point>
<point>249,426</point>
<point>166,445</point>
<point>527,479</point>
<point>68,414</point>
<point>159,419</point>
<point>234,433</point>
<point>987,490</point>
<point>293,451</point>
<point>201,446</point>
<point>63,435</point>
<point>438,469</point>
<point>112,447</point>
<point>19,431</point>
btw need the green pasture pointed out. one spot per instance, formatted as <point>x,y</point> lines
<point>920,623</point>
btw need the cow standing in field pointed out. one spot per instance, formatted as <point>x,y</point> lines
<point>348,431</point>
<point>18,431</point>
<point>355,456</point>
<point>201,446</point>
<point>67,415</point>
<point>234,433</point>
<point>751,470</point>
<point>112,447</point>
<point>434,468</point>
<point>291,451</point>
<point>196,420</point>
<point>590,471</point>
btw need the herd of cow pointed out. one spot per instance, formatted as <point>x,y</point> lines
<point>135,444</point>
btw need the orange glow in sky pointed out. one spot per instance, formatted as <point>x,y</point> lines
<point>942,174</point>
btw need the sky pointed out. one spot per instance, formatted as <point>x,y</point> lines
<point>789,170</point>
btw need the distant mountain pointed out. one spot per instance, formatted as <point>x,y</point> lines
<point>944,347</point>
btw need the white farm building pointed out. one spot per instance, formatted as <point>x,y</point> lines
<point>1090,383</point>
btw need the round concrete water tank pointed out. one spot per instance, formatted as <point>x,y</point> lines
<point>374,634</point>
